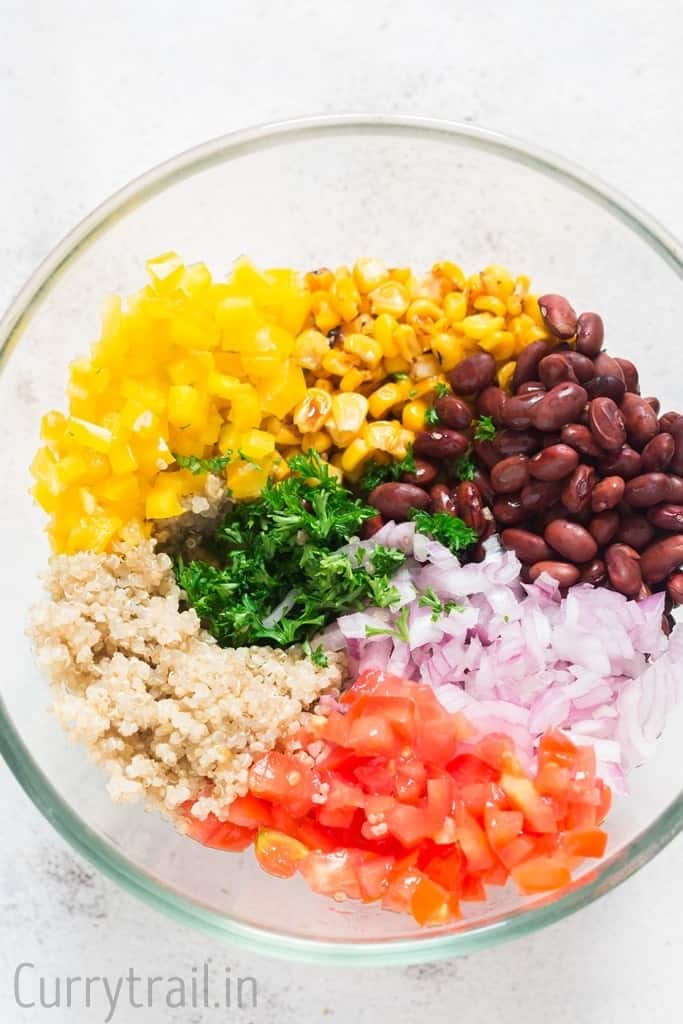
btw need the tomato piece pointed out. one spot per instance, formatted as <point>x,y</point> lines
<point>277,853</point>
<point>502,826</point>
<point>477,795</point>
<point>375,682</point>
<point>372,735</point>
<point>555,746</point>
<point>580,816</point>
<point>525,797</point>
<point>399,712</point>
<point>438,731</point>
<point>468,769</point>
<point>403,881</point>
<point>497,875</point>
<point>448,869</point>
<point>314,836</point>
<point>603,807</point>
<point>336,729</point>
<point>373,875</point>
<point>342,794</point>
<point>410,779</point>
<point>250,812</point>
<point>516,851</point>
<point>472,889</point>
<point>332,874</point>
<point>447,832</point>
<point>284,780</point>
<point>432,904</point>
<point>541,874</point>
<point>492,748</point>
<point>553,779</point>
<point>220,835</point>
<point>341,818</point>
<point>411,825</point>
<point>584,842</point>
<point>440,797</point>
<point>473,841</point>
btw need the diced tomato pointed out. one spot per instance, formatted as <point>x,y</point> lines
<point>342,794</point>
<point>476,796</point>
<point>277,853</point>
<point>448,869</point>
<point>314,836</point>
<point>553,779</point>
<point>516,851</point>
<point>250,812</point>
<point>603,807</point>
<point>473,841</point>
<point>336,729</point>
<point>398,712</point>
<point>373,875</point>
<point>541,874</point>
<point>438,731</point>
<point>332,874</point>
<point>491,749</point>
<point>502,826</point>
<point>580,816</point>
<point>341,817</point>
<point>555,746</point>
<point>432,904</point>
<point>469,769</point>
<point>497,875</point>
<point>525,797</point>
<point>472,889</point>
<point>440,796</point>
<point>284,780</point>
<point>410,779</point>
<point>372,735</point>
<point>585,842</point>
<point>411,825</point>
<point>220,835</point>
<point>447,832</point>
<point>378,683</point>
<point>402,883</point>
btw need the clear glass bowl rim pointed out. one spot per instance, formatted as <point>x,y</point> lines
<point>611,872</point>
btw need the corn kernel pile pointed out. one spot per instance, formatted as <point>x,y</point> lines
<point>261,366</point>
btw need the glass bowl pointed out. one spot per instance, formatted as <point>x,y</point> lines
<point>306,193</point>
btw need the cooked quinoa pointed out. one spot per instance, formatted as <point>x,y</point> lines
<point>169,714</point>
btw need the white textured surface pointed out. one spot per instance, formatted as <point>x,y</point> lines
<point>93,94</point>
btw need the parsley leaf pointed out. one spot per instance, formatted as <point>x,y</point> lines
<point>276,573</point>
<point>429,599</point>
<point>197,465</point>
<point>449,530</point>
<point>484,429</point>
<point>399,376</point>
<point>317,654</point>
<point>441,389</point>
<point>463,469</point>
<point>432,417</point>
<point>377,473</point>
<point>399,630</point>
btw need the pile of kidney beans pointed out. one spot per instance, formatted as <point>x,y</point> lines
<point>584,478</point>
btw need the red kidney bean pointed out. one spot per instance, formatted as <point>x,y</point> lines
<point>510,475</point>
<point>571,540</point>
<point>440,443</point>
<point>640,420</point>
<point>676,430</point>
<point>630,373</point>
<point>594,572</point>
<point>530,387</point>
<point>606,423</point>
<point>473,374</point>
<point>675,490</point>
<point>555,368</point>
<point>623,569</point>
<point>528,547</point>
<point>453,412</point>
<point>516,412</point>
<point>667,517</point>
<point>581,365</point>
<point>550,439</point>
<point>371,526</point>
<point>554,463</point>
<point>635,530</point>
<point>470,507</point>
<point>654,403</point>
<point>425,474</point>
<point>562,404</point>
<point>558,315</point>
<point>658,453</point>
<point>539,494</point>
<point>662,558</point>
<point>607,493</point>
<point>483,482</point>
<point>647,490</point>
<point>576,495</point>
<point>565,574</point>
<point>516,442</point>
<point>486,452</point>
<point>667,420</point>
<point>674,588</point>
<point>625,463</point>
<point>491,402</point>
<point>590,333</point>
<point>508,510</point>
<point>443,500</point>
<point>395,500</point>
<point>606,386</point>
<point>604,526</point>
<point>606,364</point>
<point>549,515</point>
<point>527,362</point>
<point>578,436</point>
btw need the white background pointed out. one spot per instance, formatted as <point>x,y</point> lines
<point>93,93</point>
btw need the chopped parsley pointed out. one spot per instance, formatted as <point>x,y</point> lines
<point>316,654</point>
<point>399,630</point>
<point>484,429</point>
<point>428,599</point>
<point>276,573</point>
<point>463,468</point>
<point>196,465</point>
<point>449,530</point>
<point>399,376</point>
<point>377,473</point>
<point>441,389</point>
<point>432,418</point>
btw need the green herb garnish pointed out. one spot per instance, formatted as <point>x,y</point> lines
<point>196,465</point>
<point>428,599</point>
<point>377,473</point>
<point>449,530</point>
<point>441,389</point>
<point>399,630</point>
<point>432,418</point>
<point>463,469</point>
<point>484,429</point>
<point>317,654</point>
<point>280,554</point>
<point>398,376</point>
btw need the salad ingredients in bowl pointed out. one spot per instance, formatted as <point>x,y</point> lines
<point>370,569</point>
